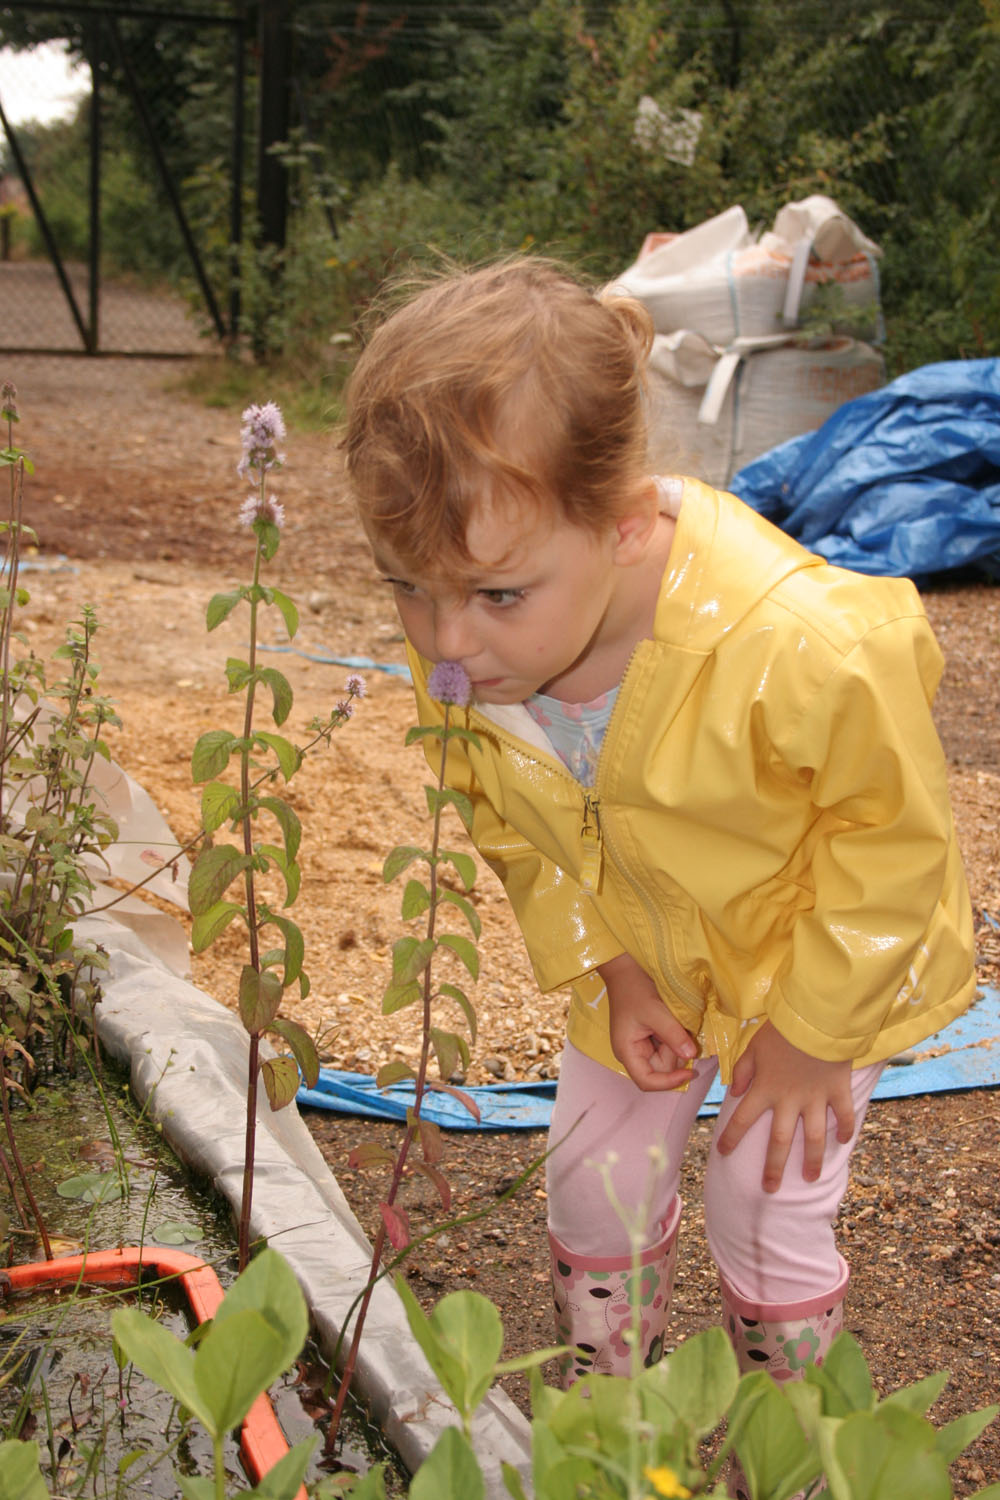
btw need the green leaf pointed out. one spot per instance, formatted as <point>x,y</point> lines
<point>451,1050</point>
<point>211,754</point>
<point>269,537</point>
<point>269,1286</point>
<point>512,1481</point>
<point>238,673</point>
<point>468,736</point>
<point>465,907</point>
<point>92,1187</point>
<point>206,928</point>
<point>212,873</point>
<point>889,1454</point>
<point>370,1154</point>
<point>219,804</point>
<point>288,756</point>
<point>284,1479</point>
<point>195,1487</point>
<point>954,1437</point>
<point>464,864</point>
<point>416,900</point>
<point>398,860</point>
<point>423,732</point>
<point>288,821</point>
<point>163,1358</point>
<point>410,957</point>
<point>281,693</point>
<point>920,1396</point>
<point>20,1475</point>
<point>450,1471</point>
<point>465,950</point>
<point>295,948</point>
<point>236,1360</point>
<point>221,606</point>
<point>843,1378</point>
<point>531,1361</point>
<point>259,998</point>
<point>697,1382</point>
<point>289,613</point>
<point>440,797</point>
<point>281,1080</point>
<point>291,873</point>
<point>462,1340</point>
<point>303,1048</point>
<point>440,1182</point>
<point>461,998</point>
<point>773,1449</point>
<point>392,1072</point>
<point>177,1232</point>
<point>399,996</point>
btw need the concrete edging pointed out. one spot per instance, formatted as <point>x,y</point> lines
<point>187,1057</point>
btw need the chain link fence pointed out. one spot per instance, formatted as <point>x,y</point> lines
<point>117,220</point>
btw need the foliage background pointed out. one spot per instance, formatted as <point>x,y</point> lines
<point>420,128</point>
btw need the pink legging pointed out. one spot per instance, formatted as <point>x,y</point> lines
<point>770,1247</point>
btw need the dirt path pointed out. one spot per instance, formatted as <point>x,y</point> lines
<point>134,500</point>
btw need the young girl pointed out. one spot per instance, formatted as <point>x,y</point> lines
<point>707,776</point>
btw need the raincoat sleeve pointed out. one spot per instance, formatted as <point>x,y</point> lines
<point>891,905</point>
<point>562,931</point>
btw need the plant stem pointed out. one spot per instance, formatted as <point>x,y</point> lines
<point>43,1233</point>
<point>413,1124</point>
<point>253,1055</point>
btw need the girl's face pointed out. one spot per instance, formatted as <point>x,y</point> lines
<point>530,615</point>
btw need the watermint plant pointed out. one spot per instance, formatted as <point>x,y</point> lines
<point>248,802</point>
<point>414,982</point>
<point>53,829</point>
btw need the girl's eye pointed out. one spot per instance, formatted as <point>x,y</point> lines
<point>401,586</point>
<point>502,598</point>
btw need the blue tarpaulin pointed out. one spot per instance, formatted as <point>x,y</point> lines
<point>904,481</point>
<point>966,1055</point>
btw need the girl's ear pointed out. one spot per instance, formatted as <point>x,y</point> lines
<point>634,530</point>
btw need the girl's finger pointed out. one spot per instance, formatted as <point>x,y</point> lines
<point>778,1146</point>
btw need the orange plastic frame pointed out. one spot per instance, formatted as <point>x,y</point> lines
<point>262,1441</point>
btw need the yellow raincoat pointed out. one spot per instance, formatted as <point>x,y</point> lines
<point>769,834</point>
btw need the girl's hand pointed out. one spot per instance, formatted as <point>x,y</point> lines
<point>651,1044</point>
<point>773,1075</point>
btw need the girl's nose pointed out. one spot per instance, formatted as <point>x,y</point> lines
<point>453,636</point>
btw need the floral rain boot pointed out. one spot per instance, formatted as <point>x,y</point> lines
<point>781,1338</point>
<point>597,1297</point>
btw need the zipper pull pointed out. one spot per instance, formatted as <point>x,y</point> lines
<point>593,854</point>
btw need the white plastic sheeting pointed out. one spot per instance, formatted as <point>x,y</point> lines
<point>188,1058</point>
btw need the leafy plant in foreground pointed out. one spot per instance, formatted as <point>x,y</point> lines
<point>53,829</point>
<point>606,1438</point>
<point>262,758</point>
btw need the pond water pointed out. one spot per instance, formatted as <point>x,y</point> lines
<point>102,1432</point>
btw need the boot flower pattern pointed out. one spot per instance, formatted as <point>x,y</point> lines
<point>595,1310</point>
<point>783,1349</point>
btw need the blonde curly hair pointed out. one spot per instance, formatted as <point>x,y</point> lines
<point>514,382</point>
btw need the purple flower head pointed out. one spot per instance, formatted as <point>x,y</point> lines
<point>345,708</point>
<point>8,401</point>
<point>261,508</point>
<point>263,429</point>
<point>449,683</point>
<point>356,685</point>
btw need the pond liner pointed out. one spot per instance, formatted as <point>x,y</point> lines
<point>187,1056</point>
<point>262,1442</point>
